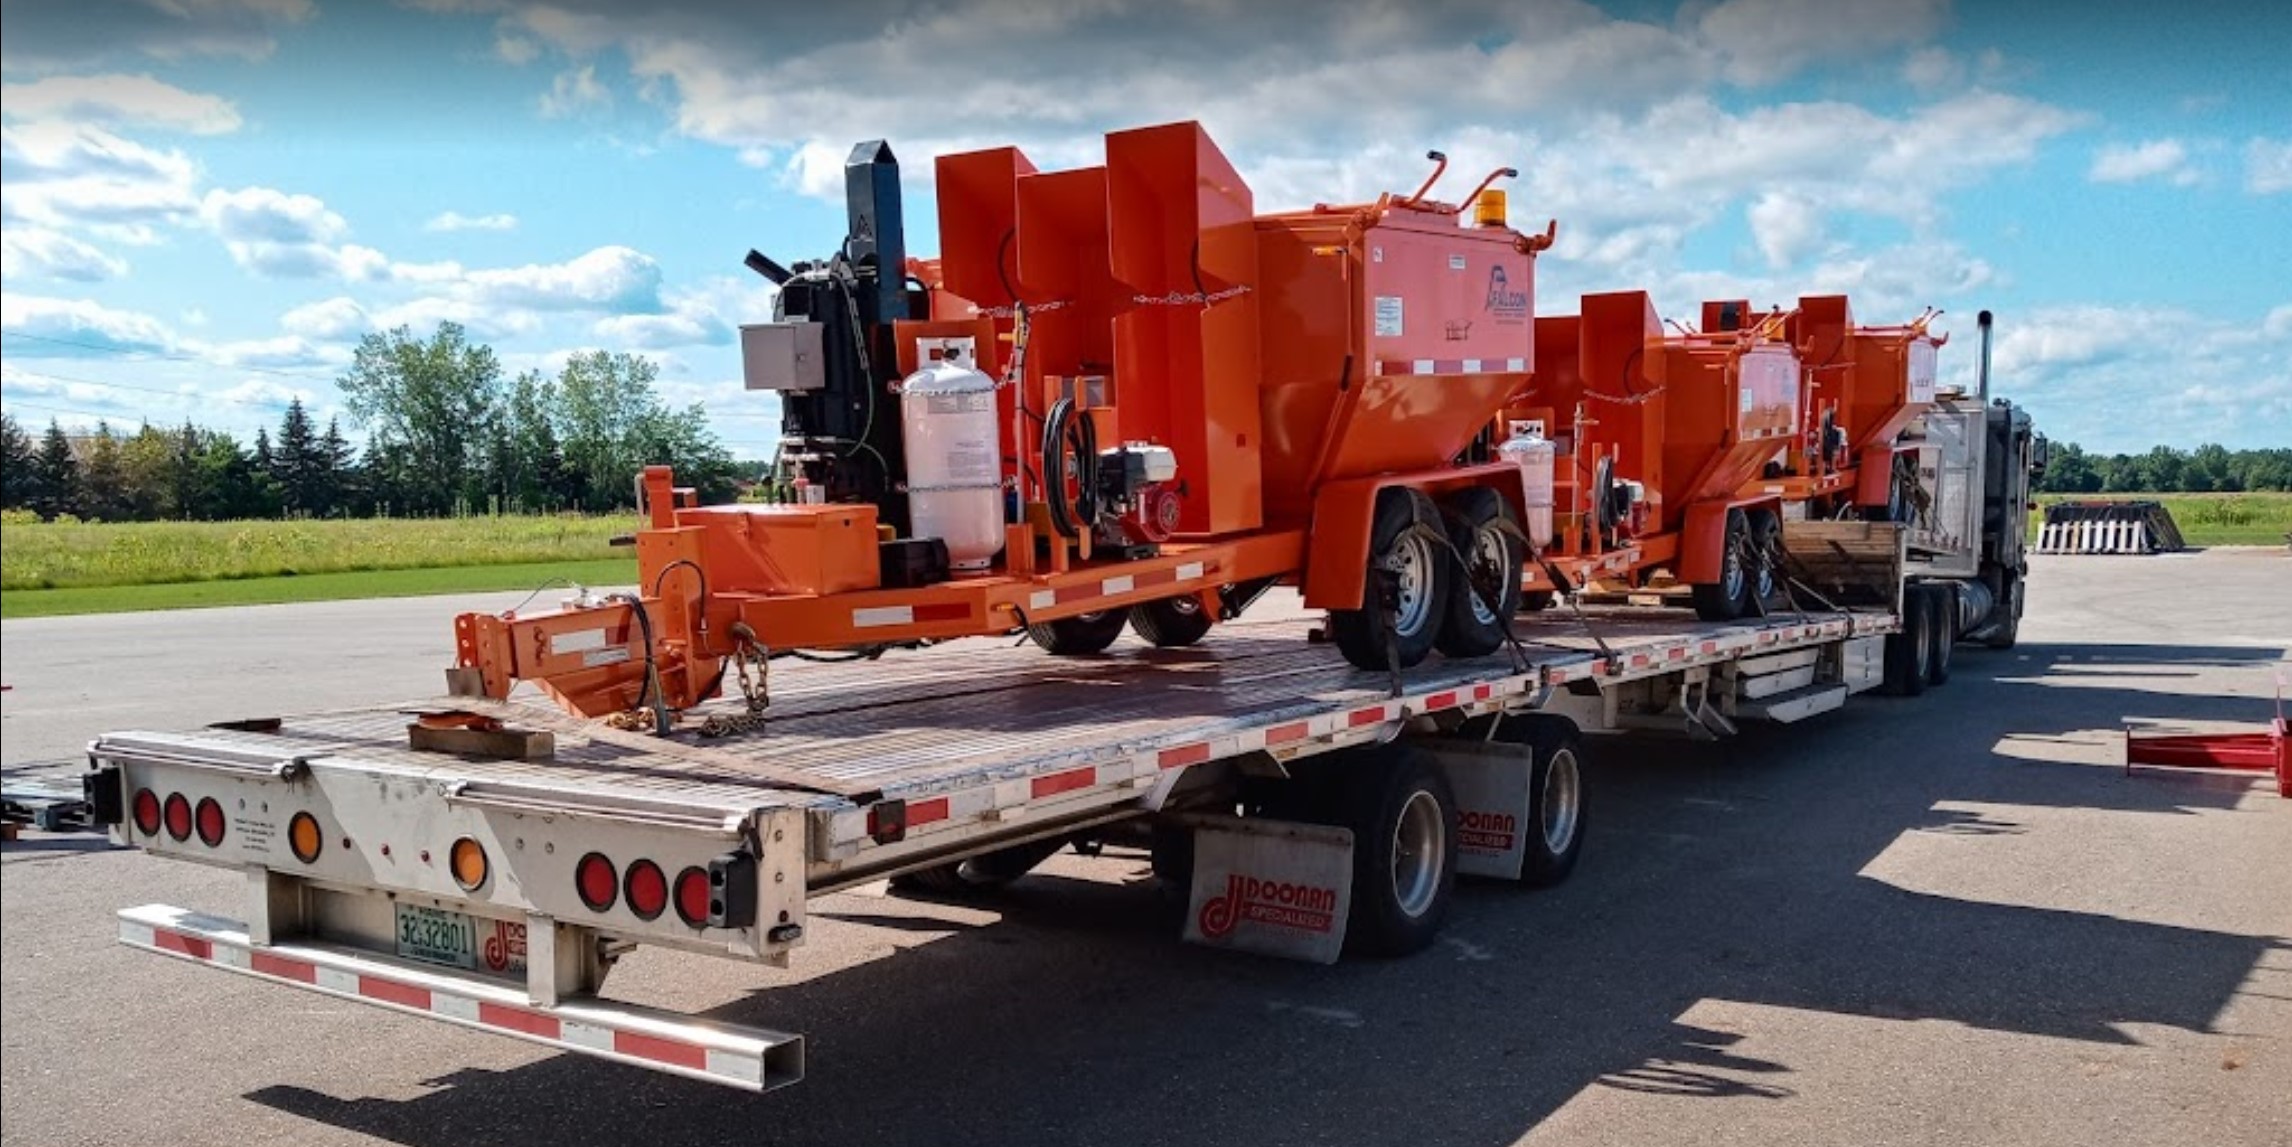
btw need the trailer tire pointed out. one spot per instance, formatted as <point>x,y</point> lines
<point>1420,571</point>
<point>1481,529</point>
<point>1766,537</point>
<point>1730,597</point>
<point>1080,635</point>
<point>981,873</point>
<point>1171,623</point>
<point>1556,806</point>
<point>2007,631</point>
<point>1402,813</point>
<point>1941,606</point>
<point>1908,650</point>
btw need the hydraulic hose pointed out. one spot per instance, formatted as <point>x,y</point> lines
<point>1066,428</point>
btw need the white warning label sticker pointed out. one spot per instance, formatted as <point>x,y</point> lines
<point>1388,316</point>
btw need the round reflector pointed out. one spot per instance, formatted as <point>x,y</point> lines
<point>467,859</point>
<point>147,812</point>
<point>647,890</point>
<point>303,837</point>
<point>692,896</point>
<point>596,881</point>
<point>178,816</point>
<point>210,822</point>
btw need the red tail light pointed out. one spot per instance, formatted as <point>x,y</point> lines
<point>147,812</point>
<point>596,882</point>
<point>210,822</point>
<point>178,816</point>
<point>692,896</point>
<point>647,889</point>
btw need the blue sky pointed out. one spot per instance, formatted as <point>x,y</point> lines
<point>204,203</point>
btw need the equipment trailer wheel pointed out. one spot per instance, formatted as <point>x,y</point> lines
<point>1766,559</point>
<point>1403,816</point>
<point>1171,622</point>
<point>988,870</point>
<point>1909,652</point>
<point>1081,634</point>
<point>1537,600</point>
<point>1486,539</point>
<point>1942,608</point>
<point>1408,587</point>
<point>1730,596</point>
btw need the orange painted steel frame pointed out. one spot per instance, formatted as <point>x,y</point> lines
<point>1388,335</point>
<point>1871,381</point>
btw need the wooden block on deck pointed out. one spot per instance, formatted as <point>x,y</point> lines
<point>500,743</point>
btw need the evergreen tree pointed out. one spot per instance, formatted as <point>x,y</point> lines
<point>258,489</point>
<point>297,469</point>
<point>56,473</point>
<point>17,458</point>
<point>103,477</point>
<point>336,465</point>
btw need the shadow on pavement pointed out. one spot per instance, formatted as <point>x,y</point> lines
<point>1714,872</point>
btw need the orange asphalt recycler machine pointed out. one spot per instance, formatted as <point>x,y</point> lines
<point>1119,396</point>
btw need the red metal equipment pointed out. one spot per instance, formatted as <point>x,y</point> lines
<point>1864,386</point>
<point>1659,434</point>
<point>1195,401</point>
<point>2268,751</point>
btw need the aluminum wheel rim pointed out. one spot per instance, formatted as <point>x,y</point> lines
<point>1420,845</point>
<point>1488,554</point>
<point>1563,802</point>
<point>1411,564</point>
<point>1185,605</point>
<point>1731,574</point>
<point>1766,579</point>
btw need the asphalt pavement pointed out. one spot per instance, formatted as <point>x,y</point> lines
<point>1943,920</point>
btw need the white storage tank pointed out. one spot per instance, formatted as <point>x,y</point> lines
<point>954,479</point>
<point>1535,455</point>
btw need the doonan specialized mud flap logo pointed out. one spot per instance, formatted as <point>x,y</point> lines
<point>1274,903</point>
<point>1491,832</point>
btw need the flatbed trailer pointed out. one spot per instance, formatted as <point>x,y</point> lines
<point>495,891</point>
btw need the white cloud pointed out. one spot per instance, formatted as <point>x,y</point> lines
<point>1768,40</point>
<point>334,319</point>
<point>69,177</point>
<point>2165,159</point>
<point>482,321</point>
<point>38,251</point>
<point>266,393</point>
<point>62,36</point>
<point>611,279</point>
<point>1786,227</point>
<point>1932,68</point>
<point>456,221</point>
<point>2090,374</point>
<point>516,50</point>
<point>115,100</point>
<point>575,90</point>
<point>79,326</point>
<point>287,352</point>
<point>2268,166</point>
<point>287,236</point>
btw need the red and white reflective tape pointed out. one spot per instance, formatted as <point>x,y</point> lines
<point>1452,366</point>
<point>752,1059</point>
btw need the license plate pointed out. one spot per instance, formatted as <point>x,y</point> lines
<point>459,940</point>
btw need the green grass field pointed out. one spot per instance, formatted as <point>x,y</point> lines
<point>49,568</point>
<point>2260,519</point>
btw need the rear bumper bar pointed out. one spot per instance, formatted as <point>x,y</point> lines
<point>751,1059</point>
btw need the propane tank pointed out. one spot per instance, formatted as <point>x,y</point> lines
<point>1535,455</point>
<point>954,488</point>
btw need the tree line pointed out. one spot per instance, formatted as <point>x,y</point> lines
<point>445,434</point>
<point>2209,469</point>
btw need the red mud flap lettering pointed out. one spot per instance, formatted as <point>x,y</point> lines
<point>1490,780</point>
<point>1271,887</point>
<point>751,1059</point>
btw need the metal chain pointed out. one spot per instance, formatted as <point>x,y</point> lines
<point>1182,298</point>
<point>752,668</point>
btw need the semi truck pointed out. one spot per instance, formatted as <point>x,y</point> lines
<point>655,768</point>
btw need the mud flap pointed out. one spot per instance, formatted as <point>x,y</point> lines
<point>1273,887</point>
<point>1490,779</point>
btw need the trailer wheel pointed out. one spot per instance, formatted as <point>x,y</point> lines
<point>1766,557</point>
<point>1171,622</point>
<point>1555,793</point>
<point>1730,596</point>
<point>1909,652</point>
<point>1941,607</point>
<point>1081,634</point>
<point>986,871</point>
<point>1486,538</point>
<point>2006,632</point>
<point>1403,817</point>
<point>1407,589</point>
